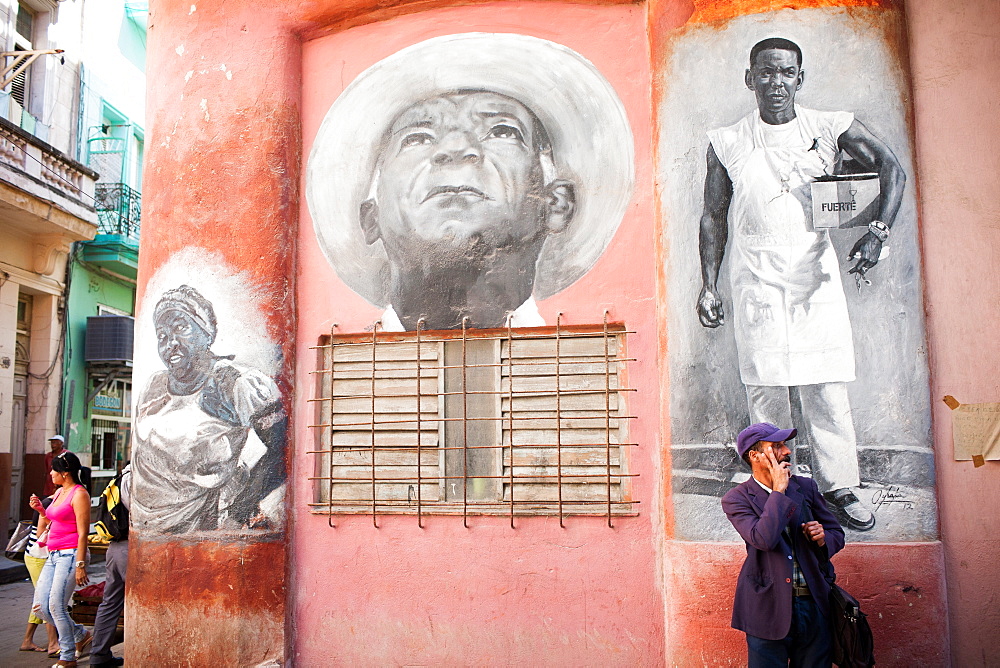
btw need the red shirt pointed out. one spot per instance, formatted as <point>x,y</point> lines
<point>50,487</point>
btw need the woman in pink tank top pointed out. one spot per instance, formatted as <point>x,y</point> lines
<point>68,520</point>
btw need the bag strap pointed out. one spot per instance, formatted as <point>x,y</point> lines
<point>825,566</point>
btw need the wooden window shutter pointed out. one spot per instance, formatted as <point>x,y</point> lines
<point>518,422</point>
<point>568,439</point>
<point>384,410</point>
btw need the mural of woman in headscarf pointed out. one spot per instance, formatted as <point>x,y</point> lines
<point>192,423</point>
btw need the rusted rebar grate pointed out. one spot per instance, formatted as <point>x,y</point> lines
<point>474,422</point>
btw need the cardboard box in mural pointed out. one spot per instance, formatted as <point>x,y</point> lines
<point>464,176</point>
<point>210,425</point>
<point>793,318</point>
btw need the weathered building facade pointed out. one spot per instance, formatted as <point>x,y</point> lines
<point>97,378</point>
<point>444,339</point>
<point>47,205</point>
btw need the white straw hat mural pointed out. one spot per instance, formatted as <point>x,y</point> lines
<point>585,120</point>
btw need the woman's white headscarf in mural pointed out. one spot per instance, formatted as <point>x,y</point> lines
<point>586,122</point>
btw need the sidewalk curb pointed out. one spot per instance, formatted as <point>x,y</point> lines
<point>12,571</point>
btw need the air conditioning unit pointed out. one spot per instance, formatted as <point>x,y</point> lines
<point>110,338</point>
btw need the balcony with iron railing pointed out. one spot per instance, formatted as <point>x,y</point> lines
<point>116,246</point>
<point>119,208</point>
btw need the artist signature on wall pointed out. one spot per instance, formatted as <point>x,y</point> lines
<point>888,496</point>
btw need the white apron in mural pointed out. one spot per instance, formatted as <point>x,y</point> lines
<point>789,309</point>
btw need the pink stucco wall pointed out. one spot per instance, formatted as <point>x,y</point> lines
<point>954,50</point>
<point>488,594</point>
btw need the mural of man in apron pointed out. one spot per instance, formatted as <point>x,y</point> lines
<point>790,313</point>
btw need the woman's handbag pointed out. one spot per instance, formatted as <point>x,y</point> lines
<point>19,541</point>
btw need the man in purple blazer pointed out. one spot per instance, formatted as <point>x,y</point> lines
<point>781,594</point>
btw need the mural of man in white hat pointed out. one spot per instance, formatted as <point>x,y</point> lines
<point>484,170</point>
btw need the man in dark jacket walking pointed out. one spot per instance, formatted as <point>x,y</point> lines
<point>116,561</point>
<point>781,594</point>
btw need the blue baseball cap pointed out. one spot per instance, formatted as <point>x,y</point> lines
<point>762,431</point>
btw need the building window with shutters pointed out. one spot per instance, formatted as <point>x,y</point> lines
<point>24,27</point>
<point>474,422</point>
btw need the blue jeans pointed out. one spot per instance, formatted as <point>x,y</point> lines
<point>807,644</point>
<point>52,594</point>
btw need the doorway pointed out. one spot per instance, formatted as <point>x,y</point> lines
<point>19,407</point>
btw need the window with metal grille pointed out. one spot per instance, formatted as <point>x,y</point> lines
<point>474,422</point>
<point>109,442</point>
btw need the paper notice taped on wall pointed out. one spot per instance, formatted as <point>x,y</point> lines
<point>977,431</point>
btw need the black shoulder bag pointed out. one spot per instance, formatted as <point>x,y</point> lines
<point>851,636</point>
<point>853,644</point>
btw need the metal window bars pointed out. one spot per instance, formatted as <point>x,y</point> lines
<point>397,409</point>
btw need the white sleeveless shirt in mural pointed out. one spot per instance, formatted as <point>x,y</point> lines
<point>187,446</point>
<point>789,309</point>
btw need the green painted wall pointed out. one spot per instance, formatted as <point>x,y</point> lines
<point>89,289</point>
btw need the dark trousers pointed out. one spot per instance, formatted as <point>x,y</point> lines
<point>807,644</point>
<point>112,604</point>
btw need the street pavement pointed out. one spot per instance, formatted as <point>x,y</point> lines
<point>15,603</point>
